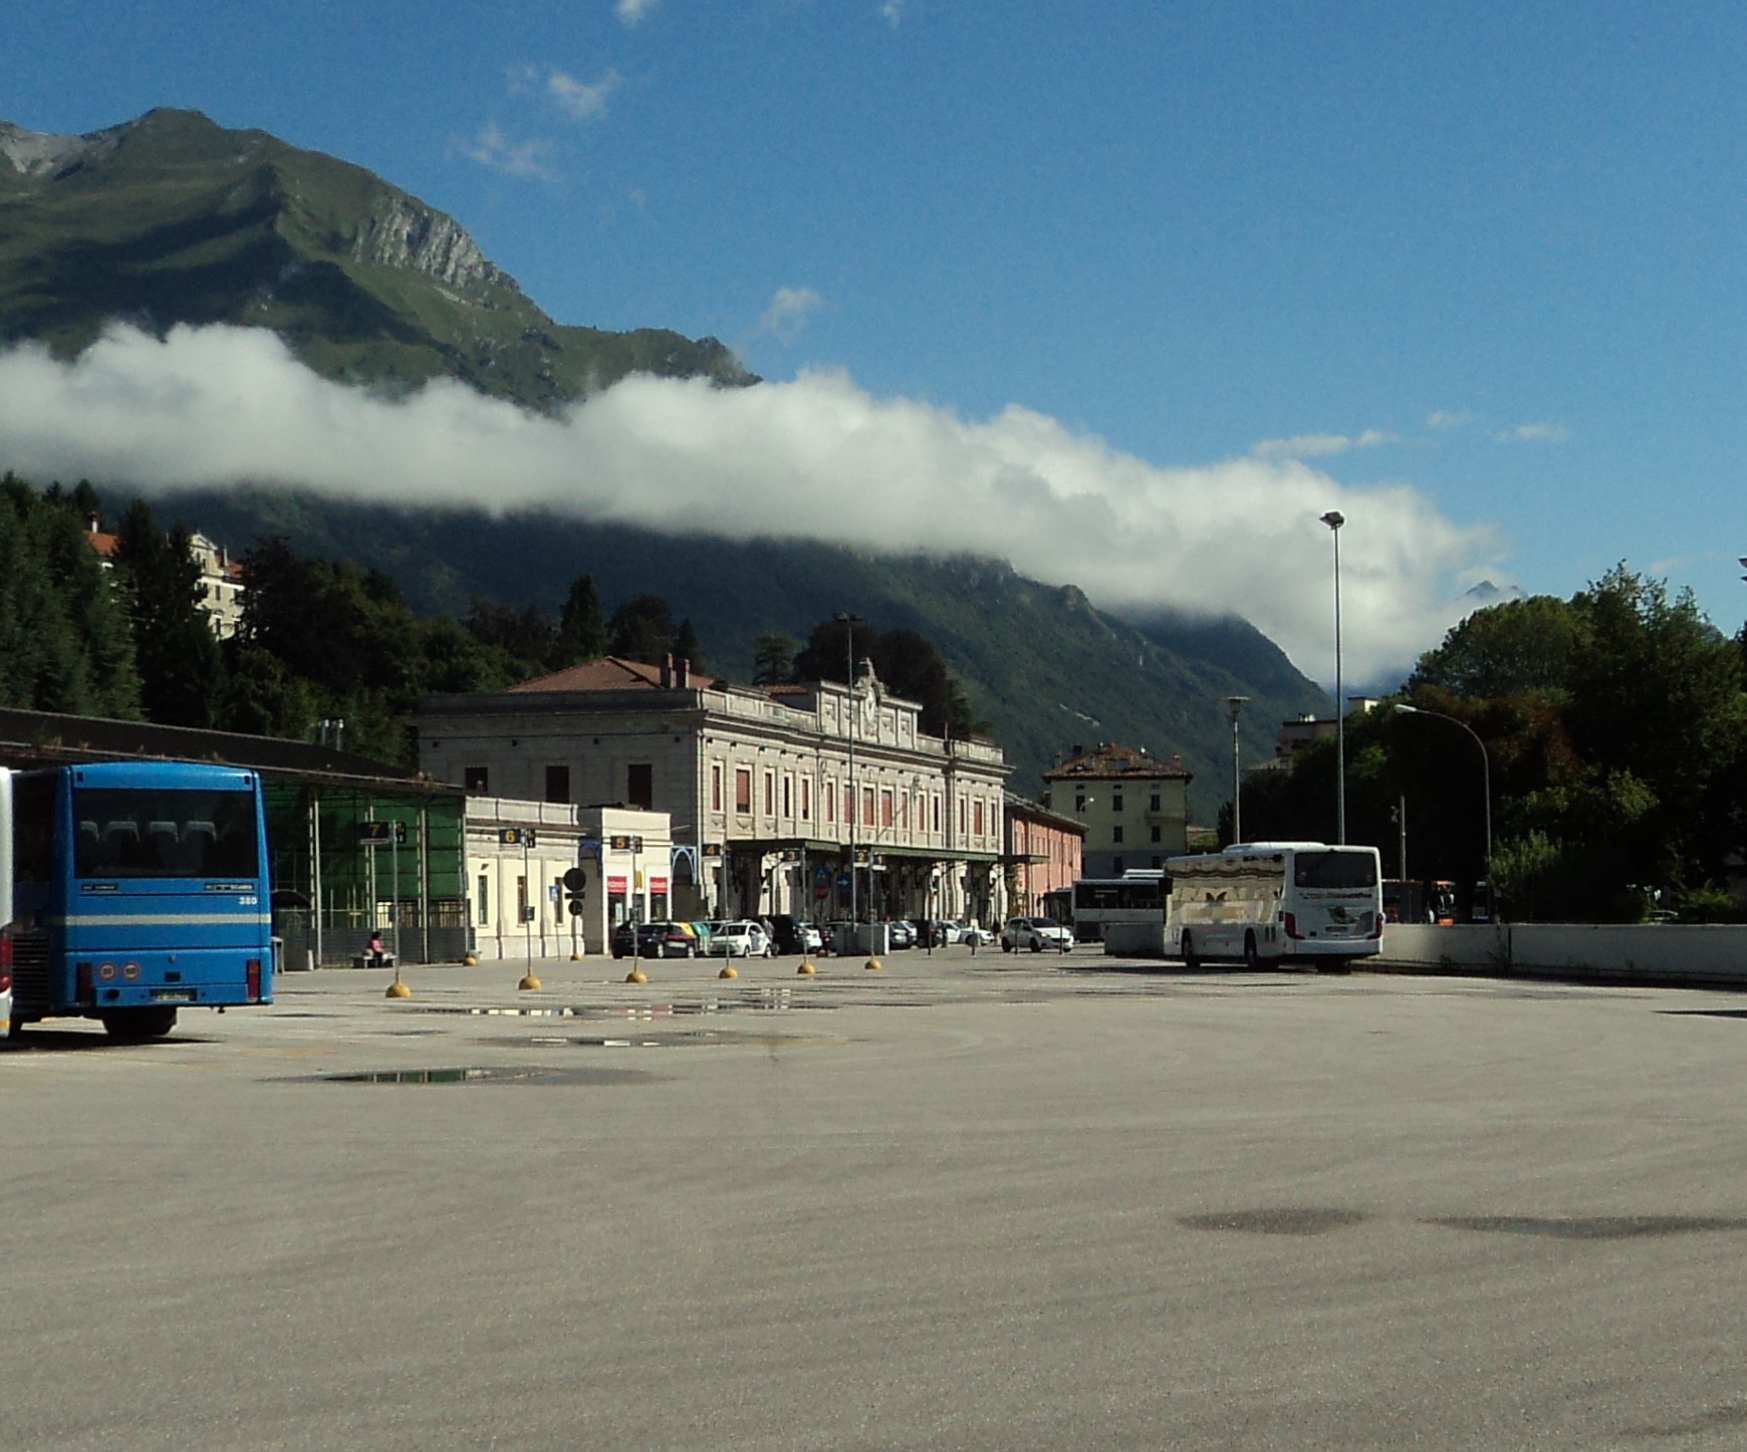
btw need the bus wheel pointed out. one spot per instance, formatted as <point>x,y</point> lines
<point>1190,961</point>
<point>1252,959</point>
<point>136,1025</point>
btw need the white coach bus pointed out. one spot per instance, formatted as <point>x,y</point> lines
<point>1263,902</point>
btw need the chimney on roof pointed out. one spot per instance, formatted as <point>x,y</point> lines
<point>667,673</point>
<point>685,674</point>
<point>93,524</point>
<point>1079,750</point>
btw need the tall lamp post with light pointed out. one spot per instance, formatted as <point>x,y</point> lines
<point>851,621</point>
<point>1334,519</point>
<point>1235,704</point>
<point>1485,768</point>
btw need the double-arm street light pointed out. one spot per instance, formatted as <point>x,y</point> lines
<point>1485,767</point>
<point>1334,519</point>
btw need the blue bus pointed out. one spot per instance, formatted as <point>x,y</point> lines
<point>138,888</point>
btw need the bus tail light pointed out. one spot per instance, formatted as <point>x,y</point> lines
<point>253,968</point>
<point>1376,925</point>
<point>1292,927</point>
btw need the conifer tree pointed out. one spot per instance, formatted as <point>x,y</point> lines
<point>180,666</point>
<point>582,632</point>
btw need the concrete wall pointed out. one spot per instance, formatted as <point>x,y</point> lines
<point>1652,953</point>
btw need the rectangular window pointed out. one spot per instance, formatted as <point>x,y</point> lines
<point>977,819</point>
<point>1116,833</point>
<point>788,797</point>
<point>867,806</point>
<point>715,786</point>
<point>476,779</point>
<point>521,899</point>
<point>1116,802</point>
<point>558,783</point>
<point>484,900</point>
<point>743,790</point>
<point>130,832</point>
<point>961,822</point>
<point>640,785</point>
<point>1079,802</point>
<point>769,794</point>
<point>1156,834</point>
<point>935,817</point>
<point>806,799</point>
<point>848,803</point>
<point>830,801</point>
<point>885,809</point>
<point>1155,803</point>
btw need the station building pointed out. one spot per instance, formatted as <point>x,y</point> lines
<point>768,789</point>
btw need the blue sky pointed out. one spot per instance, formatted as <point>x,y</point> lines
<point>1492,252</point>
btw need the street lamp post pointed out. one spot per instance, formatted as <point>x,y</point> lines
<point>852,621</point>
<point>1235,704</point>
<point>1485,767</point>
<point>1334,519</point>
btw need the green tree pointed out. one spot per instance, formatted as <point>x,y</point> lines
<point>907,663</point>
<point>582,632</point>
<point>686,645</point>
<point>773,659</point>
<point>641,629</point>
<point>1508,649</point>
<point>180,666</point>
<point>65,641</point>
<point>528,635</point>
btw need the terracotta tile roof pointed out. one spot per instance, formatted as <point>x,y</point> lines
<point>103,543</point>
<point>1112,759</point>
<point>610,673</point>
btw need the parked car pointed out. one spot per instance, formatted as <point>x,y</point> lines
<point>744,939</point>
<point>791,935</point>
<point>1035,934</point>
<point>667,940</point>
<point>625,940</point>
<point>900,934</point>
<point>947,932</point>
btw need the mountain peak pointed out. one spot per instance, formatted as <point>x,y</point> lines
<point>172,218</point>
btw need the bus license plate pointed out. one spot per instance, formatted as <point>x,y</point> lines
<point>172,995</point>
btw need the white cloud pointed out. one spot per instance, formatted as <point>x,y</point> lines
<point>818,457</point>
<point>631,11</point>
<point>893,10</point>
<point>581,100</point>
<point>1310,446</point>
<point>1444,420</point>
<point>789,309</point>
<point>1535,433</point>
<point>490,147</point>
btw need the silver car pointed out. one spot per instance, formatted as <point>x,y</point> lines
<point>1035,934</point>
<point>744,939</point>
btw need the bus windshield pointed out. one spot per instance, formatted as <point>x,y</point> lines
<point>1334,869</point>
<point>137,833</point>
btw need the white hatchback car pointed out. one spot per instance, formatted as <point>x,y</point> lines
<point>743,939</point>
<point>1035,934</point>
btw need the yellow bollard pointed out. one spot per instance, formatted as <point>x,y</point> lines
<point>529,984</point>
<point>873,965</point>
<point>807,967</point>
<point>576,957</point>
<point>397,989</point>
<point>728,971</point>
<point>469,960</point>
<point>636,975</point>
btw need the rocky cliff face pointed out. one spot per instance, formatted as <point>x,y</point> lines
<point>400,232</point>
<point>36,153</point>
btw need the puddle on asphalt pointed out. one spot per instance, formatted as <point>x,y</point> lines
<point>1703,1012</point>
<point>485,1074</point>
<point>694,1039</point>
<point>1289,1220</point>
<point>1590,1227</point>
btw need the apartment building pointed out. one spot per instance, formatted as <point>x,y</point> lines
<point>1135,806</point>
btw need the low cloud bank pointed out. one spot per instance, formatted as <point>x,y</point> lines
<point>816,458</point>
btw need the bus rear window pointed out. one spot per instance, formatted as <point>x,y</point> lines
<point>1334,869</point>
<point>127,833</point>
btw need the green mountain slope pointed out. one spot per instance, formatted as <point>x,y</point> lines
<point>174,219</point>
<point>1040,662</point>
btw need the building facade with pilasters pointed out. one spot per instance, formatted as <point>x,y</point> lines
<point>765,788</point>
